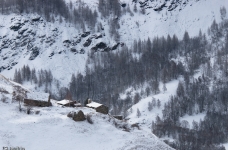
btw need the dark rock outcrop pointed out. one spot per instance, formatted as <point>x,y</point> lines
<point>172,7</point>
<point>78,40</point>
<point>52,54</point>
<point>115,46</point>
<point>14,63</point>
<point>118,117</point>
<point>85,34</point>
<point>73,50</point>
<point>36,19</point>
<point>22,31</point>
<point>160,8</point>
<point>121,44</point>
<point>87,43</point>
<point>16,26</point>
<point>70,114</point>
<point>101,45</point>
<point>67,41</point>
<point>94,48</point>
<point>35,53</point>
<point>124,5</point>
<point>107,49</point>
<point>98,36</point>
<point>82,51</point>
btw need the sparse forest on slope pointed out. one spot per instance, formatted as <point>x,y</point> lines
<point>50,9</point>
<point>207,94</point>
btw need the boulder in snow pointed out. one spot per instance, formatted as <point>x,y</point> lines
<point>101,45</point>
<point>87,43</point>
<point>16,26</point>
<point>36,18</point>
<point>79,116</point>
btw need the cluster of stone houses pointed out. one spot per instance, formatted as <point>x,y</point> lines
<point>43,100</point>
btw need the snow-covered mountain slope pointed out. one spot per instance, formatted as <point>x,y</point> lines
<point>62,48</point>
<point>7,86</point>
<point>191,17</point>
<point>11,91</point>
<point>148,116</point>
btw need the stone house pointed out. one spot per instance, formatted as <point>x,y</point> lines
<point>37,99</point>
<point>98,107</point>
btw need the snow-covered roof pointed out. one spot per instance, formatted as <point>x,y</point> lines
<point>78,104</point>
<point>64,102</point>
<point>38,96</point>
<point>94,105</point>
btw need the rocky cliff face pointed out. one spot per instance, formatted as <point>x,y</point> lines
<point>32,40</point>
<point>159,5</point>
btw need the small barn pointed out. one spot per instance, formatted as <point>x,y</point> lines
<point>98,107</point>
<point>67,103</point>
<point>37,99</point>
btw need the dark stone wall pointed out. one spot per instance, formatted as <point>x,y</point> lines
<point>118,117</point>
<point>102,109</point>
<point>37,103</point>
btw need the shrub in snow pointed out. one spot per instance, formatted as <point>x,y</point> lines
<point>185,124</point>
<point>126,128</point>
<point>158,103</point>
<point>37,112</point>
<point>70,114</point>
<point>150,106</point>
<point>28,111</point>
<point>135,125</point>
<point>138,113</point>
<point>164,88</point>
<point>4,98</point>
<point>2,90</point>
<point>153,102</point>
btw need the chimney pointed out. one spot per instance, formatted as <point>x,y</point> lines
<point>49,99</point>
<point>89,101</point>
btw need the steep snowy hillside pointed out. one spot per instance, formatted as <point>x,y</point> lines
<point>63,48</point>
<point>188,16</point>
<point>40,44</point>
<point>7,87</point>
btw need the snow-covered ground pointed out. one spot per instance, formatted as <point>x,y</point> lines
<point>52,129</point>
<point>226,146</point>
<point>147,116</point>
<point>194,117</point>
